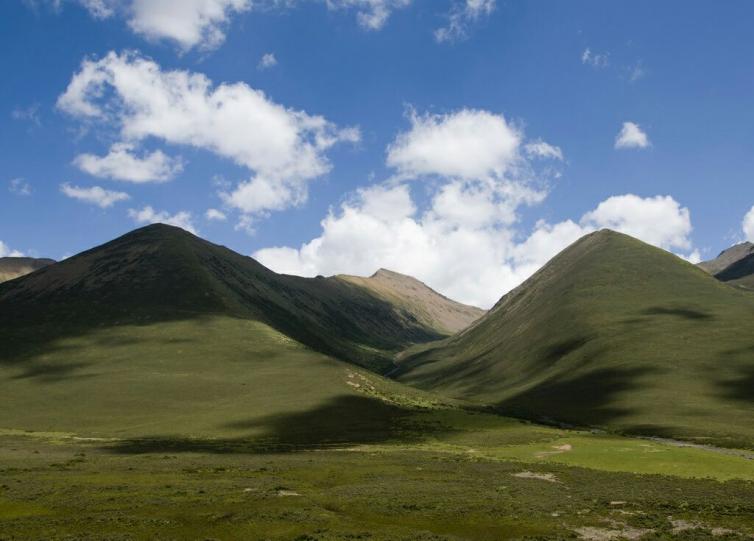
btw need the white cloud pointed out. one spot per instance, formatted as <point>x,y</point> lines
<point>484,173</point>
<point>467,144</point>
<point>94,195</point>
<point>19,186</point>
<point>5,251</point>
<point>631,136</point>
<point>100,9</point>
<point>215,215</point>
<point>121,163</point>
<point>639,217</point>
<point>540,149</point>
<point>371,14</point>
<point>268,60</point>
<point>148,215</point>
<point>189,23</point>
<point>283,148</point>
<point>437,248</point>
<point>462,14</point>
<point>748,225</point>
<point>595,60</point>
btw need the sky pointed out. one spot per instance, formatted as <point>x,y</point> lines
<point>463,142</point>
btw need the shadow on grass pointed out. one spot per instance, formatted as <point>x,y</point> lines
<point>684,313</point>
<point>52,373</point>
<point>343,421</point>
<point>588,399</point>
<point>740,388</point>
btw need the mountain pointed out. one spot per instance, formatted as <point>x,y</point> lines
<point>611,333</point>
<point>734,265</point>
<point>163,273</point>
<point>13,267</point>
<point>728,257</point>
<point>159,332</point>
<point>428,307</point>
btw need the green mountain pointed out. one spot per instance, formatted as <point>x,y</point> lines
<point>611,333</point>
<point>161,332</point>
<point>13,267</point>
<point>417,299</point>
<point>162,273</point>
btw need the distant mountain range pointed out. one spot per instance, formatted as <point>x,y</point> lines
<point>13,267</point>
<point>159,331</point>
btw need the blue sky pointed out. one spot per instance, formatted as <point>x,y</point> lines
<point>462,141</point>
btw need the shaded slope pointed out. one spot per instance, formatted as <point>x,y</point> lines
<point>614,333</point>
<point>418,300</point>
<point>734,265</point>
<point>162,273</point>
<point>13,267</point>
<point>728,257</point>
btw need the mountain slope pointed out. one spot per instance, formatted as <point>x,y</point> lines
<point>162,273</point>
<point>416,298</point>
<point>612,333</point>
<point>728,257</point>
<point>13,267</point>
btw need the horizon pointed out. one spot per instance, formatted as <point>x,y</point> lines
<point>473,139</point>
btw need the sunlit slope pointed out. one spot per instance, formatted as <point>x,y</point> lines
<point>13,267</point>
<point>613,333</point>
<point>418,301</point>
<point>205,377</point>
<point>161,273</point>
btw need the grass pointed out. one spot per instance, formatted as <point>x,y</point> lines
<point>612,333</point>
<point>481,480</point>
<point>224,428</point>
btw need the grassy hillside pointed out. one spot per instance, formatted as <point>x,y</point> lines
<point>417,300</point>
<point>611,333</point>
<point>161,273</point>
<point>13,267</point>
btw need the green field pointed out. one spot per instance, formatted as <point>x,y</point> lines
<point>137,436</point>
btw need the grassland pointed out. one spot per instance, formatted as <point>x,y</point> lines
<point>441,475</point>
<point>612,333</point>
<point>224,428</point>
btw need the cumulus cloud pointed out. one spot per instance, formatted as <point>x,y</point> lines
<point>5,251</point>
<point>148,215</point>
<point>461,16</point>
<point>483,173</point>
<point>268,60</point>
<point>215,215</point>
<point>748,225</point>
<point>467,144</point>
<point>631,136</point>
<point>283,148</point>
<point>362,237</point>
<point>595,60</point>
<point>121,163</point>
<point>94,195</point>
<point>19,186</point>
<point>189,23</point>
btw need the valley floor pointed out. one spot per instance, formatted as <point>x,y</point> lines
<point>441,474</point>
